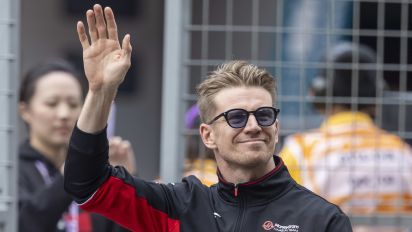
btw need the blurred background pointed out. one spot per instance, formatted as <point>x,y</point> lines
<point>176,43</point>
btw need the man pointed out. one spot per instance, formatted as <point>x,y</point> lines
<point>349,160</point>
<point>255,191</point>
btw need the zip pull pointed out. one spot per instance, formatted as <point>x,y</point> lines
<point>236,190</point>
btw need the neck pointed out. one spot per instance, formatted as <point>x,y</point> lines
<point>236,174</point>
<point>336,109</point>
<point>55,154</point>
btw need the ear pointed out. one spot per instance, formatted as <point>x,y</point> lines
<point>207,134</point>
<point>24,112</point>
<point>276,131</point>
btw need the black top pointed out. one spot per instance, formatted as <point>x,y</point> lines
<point>274,202</point>
<point>41,204</point>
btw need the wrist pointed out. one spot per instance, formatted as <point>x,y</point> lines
<point>95,111</point>
<point>103,91</point>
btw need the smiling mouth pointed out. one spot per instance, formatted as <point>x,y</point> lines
<point>253,141</point>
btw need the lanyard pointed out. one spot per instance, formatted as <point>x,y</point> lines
<point>44,172</point>
<point>72,220</point>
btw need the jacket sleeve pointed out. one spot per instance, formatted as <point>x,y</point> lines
<point>42,210</point>
<point>339,223</point>
<point>87,165</point>
<point>112,192</point>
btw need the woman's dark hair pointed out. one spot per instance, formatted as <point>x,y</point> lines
<point>29,82</point>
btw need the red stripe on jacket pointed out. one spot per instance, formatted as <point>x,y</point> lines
<point>118,201</point>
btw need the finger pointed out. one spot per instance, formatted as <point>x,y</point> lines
<point>115,141</point>
<point>114,144</point>
<point>129,148</point>
<point>127,47</point>
<point>84,41</point>
<point>125,147</point>
<point>112,151</point>
<point>100,23</point>
<point>119,150</point>
<point>91,24</point>
<point>111,24</point>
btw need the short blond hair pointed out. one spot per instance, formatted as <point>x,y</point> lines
<point>236,73</point>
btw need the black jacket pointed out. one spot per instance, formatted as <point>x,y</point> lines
<point>42,206</point>
<point>274,202</point>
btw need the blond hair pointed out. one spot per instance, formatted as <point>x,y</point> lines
<point>236,73</point>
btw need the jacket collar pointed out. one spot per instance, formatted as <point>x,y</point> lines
<point>28,153</point>
<point>270,186</point>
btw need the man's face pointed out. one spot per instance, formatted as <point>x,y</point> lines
<point>248,147</point>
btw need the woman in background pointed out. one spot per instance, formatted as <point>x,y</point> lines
<point>50,101</point>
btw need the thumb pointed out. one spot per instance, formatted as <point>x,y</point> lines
<point>127,47</point>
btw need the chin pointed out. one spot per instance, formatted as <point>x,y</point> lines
<point>255,158</point>
<point>61,141</point>
<point>257,149</point>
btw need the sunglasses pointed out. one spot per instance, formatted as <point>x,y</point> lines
<point>237,118</point>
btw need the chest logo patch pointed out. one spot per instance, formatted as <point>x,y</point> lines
<point>269,226</point>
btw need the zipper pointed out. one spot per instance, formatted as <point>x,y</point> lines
<point>236,190</point>
<point>242,203</point>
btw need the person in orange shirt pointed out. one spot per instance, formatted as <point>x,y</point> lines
<point>349,160</point>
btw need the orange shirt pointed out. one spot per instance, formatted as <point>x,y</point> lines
<point>353,164</point>
<point>204,169</point>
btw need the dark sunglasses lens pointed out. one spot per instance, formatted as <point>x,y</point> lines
<point>237,118</point>
<point>265,116</point>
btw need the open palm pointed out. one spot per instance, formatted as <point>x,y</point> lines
<point>105,61</point>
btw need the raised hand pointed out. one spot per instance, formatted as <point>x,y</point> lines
<point>105,61</point>
<point>105,64</point>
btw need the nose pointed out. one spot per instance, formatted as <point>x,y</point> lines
<point>63,111</point>
<point>252,124</point>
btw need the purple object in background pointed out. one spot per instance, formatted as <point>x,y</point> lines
<point>191,116</point>
<point>111,122</point>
